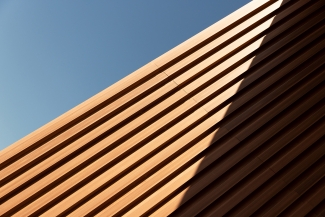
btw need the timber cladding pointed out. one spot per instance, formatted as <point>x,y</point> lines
<point>230,122</point>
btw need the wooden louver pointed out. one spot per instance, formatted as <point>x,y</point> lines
<point>230,122</point>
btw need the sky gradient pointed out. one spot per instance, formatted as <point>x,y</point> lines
<point>56,54</point>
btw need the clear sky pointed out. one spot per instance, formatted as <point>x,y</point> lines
<point>56,54</point>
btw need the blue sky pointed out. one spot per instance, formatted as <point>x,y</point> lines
<point>56,54</point>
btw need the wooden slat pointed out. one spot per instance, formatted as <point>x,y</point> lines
<point>319,210</point>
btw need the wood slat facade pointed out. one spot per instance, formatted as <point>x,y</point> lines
<point>230,122</point>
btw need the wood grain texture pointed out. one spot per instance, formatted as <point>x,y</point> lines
<point>230,122</point>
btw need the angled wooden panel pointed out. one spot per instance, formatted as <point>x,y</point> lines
<point>229,122</point>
